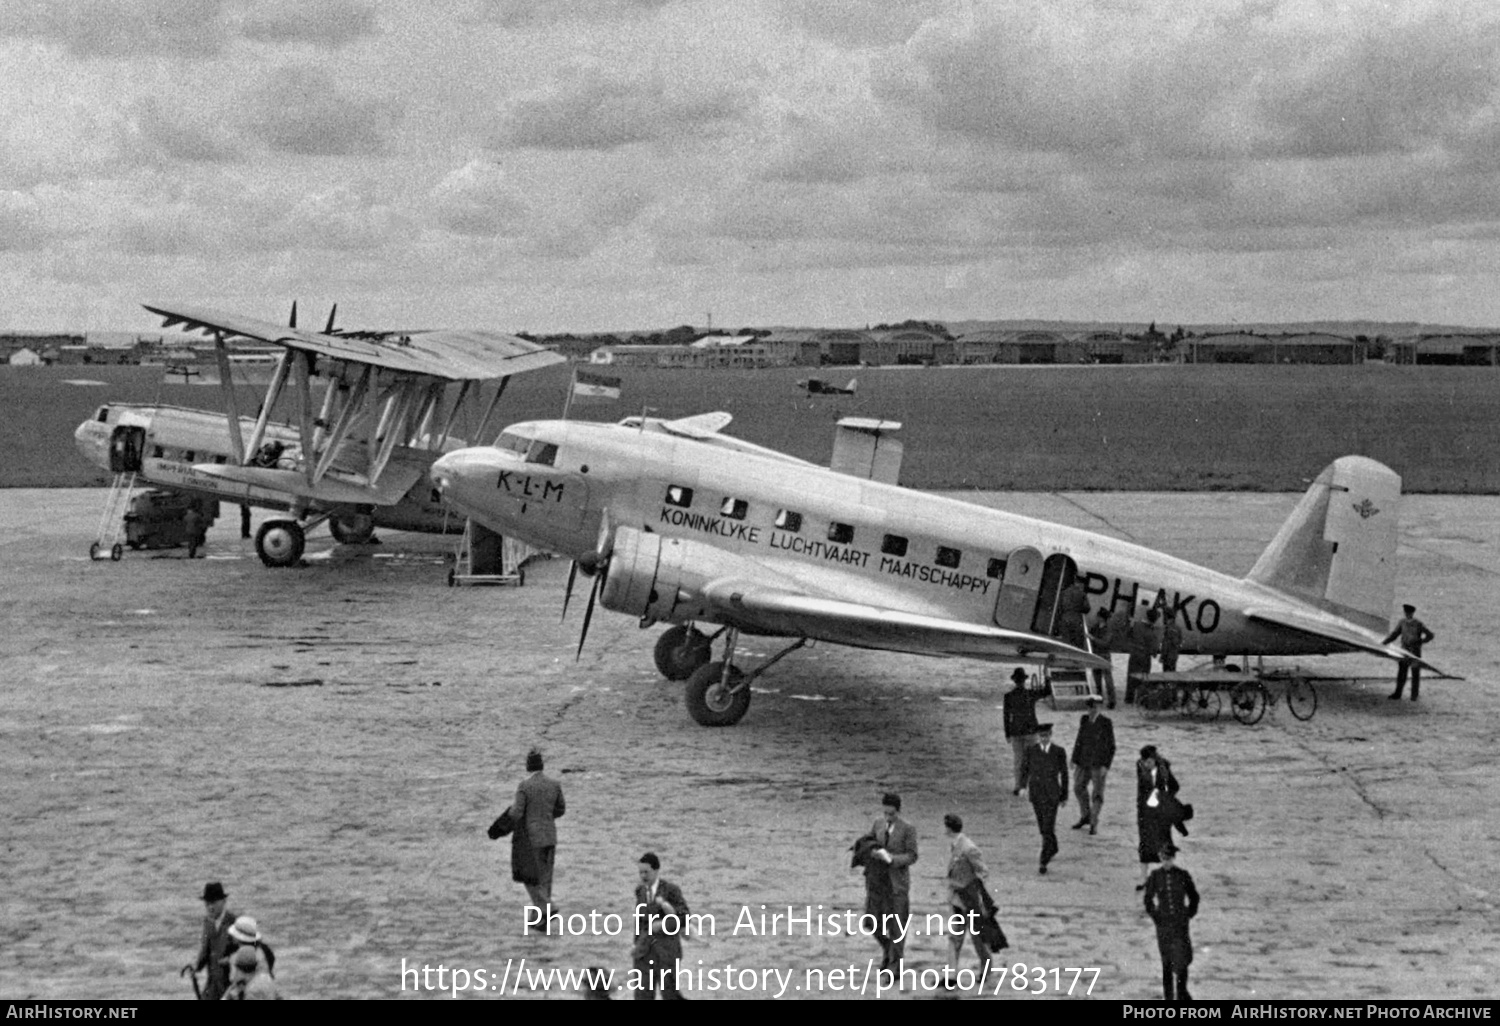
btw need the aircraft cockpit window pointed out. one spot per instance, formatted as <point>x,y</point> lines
<point>221,458</point>
<point>789,520</point>
<point>103,415</point>
<point>157,452</point>
<point>512,443</point>
<point>948,557</point>
<point>189,456</point>
<point>995,568</point>
<point>840,534</point>
<point>893,545</point>
<point>679,496</point>
<point>734,509</point>
<point>541,452</point>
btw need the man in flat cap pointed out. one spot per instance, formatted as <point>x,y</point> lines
<point>1044,774</point>
<point>213,951</point>
<point>1413,634</point>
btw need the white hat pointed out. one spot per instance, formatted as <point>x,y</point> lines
<point>245,931</point>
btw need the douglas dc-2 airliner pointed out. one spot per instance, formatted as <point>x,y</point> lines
<point>682,524</point>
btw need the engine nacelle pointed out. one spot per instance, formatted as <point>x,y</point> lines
<point>658,578</point>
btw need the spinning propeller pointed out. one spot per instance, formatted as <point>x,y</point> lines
<point>596,565</point>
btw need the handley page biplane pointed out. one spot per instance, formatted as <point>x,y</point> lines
<point>681,524</point>
<point>370,412</point>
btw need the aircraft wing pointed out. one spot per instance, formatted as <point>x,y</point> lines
<point>778,611</point>
<point>400,475</point>
<point>454,355</point>
<point>1333,630</point>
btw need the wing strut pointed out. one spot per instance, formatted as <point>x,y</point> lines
<point>273,392</point>
<point>231,405</point>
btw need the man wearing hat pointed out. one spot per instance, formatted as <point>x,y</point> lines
<point>1413,634</point>
<point>1093,751</point>
<point>538,805</point>
<point>1018,716</point>
<point>1172,900</point>
<point>888,880</point>
<point>660,911</point>
<point>1044,774</point>
<point>214,948</point>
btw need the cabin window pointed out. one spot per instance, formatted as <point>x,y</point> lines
<point>157,452</point>
<point>841,534</point>
<point>679,496</point>
<point>189,456</point>
<point>995,568</point>
<point>221,459</point>
<point>544,453</point>
<point>893,545</point>
<point>948,557</point>
<point>789,520</point>
<point>734,509</point>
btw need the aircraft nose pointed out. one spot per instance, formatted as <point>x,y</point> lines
<point>456,468</point>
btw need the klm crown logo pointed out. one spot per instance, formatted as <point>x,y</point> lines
<point>1366,509</point>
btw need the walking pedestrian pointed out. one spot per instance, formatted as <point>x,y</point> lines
<point>1171,901</point>
<point>888,879</point>
<point>1093,752</point>
<point>537,807</point>
<point>1045,777</point>
<point>966,875</point>
<point>1018,715</point>
<point>660,915</point>
<point>214,946</point>
<point>1154,786</point>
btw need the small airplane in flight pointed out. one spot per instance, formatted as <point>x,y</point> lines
<point>682,524</point>
<point>817,386</point>
<point>370,411</point>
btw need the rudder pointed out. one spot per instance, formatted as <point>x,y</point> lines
<point>1338,548</point>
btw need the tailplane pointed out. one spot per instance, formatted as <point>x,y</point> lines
<point>1338,548</point>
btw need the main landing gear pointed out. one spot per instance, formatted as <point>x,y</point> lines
<point>718,692</point>
<point>280,542</point>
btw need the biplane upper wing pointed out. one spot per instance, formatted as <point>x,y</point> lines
<point>454,355</point>
<point>777,610</point>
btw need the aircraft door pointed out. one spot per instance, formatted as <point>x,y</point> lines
<point>1017,601</point>
<point>127,443</point>
<point>1058,572</point>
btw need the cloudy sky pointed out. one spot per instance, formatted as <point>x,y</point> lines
<point>553,165</point>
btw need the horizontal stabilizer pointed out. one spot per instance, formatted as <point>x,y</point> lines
<point>1332,629</point>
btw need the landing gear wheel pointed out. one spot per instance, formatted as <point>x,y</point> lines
<point>115,553</point>
<point>1248,702</point>
<point>1302,699</point>
<point>1204,703</point>
<point>279,543</point>
<point>353,530</point>
<point>680,651</point>
<point>710,702</point>
<point>93,552</point>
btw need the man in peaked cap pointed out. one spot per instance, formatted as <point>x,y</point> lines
<point>1045,777</point>
<point>214,948</point>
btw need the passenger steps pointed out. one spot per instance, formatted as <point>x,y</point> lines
<point>1070,688</point>
<point>107,537</point>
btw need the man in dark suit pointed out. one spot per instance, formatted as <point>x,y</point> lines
<point>1018,716</point>
<point>1172,900</point>
<point>1093,751</point>
<point>539,803</point>
<point>1044,774</point>
<point>660,911</point>
<point>213,950</point>
<point>888,880</point>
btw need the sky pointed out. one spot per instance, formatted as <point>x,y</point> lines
<point>593,165</point>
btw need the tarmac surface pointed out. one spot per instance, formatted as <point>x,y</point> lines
<point>331,742</point>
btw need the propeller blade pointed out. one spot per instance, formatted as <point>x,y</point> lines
<point>329,330</point>
<point>588,614</point>
<point>568,592</point>
<point>291,322</point>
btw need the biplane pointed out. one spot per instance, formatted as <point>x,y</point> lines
<point>366,415</point>
<point>684,525</point>
<point>817,386</point>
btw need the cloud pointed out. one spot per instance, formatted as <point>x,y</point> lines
<point>20,221</point>
<point>477,200</point>
<point>120,28</point>
<point>597,111</point>
<point>326,23</point>
<point>178,131</point>
<point>862,22</point>
<point>302,110</point>
<point>526,14</point>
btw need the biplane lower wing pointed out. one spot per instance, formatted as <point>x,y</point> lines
<point>330,489</point>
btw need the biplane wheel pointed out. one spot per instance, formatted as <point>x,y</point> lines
<point>681,650</point>
<point>93,552</point>
<point>1248,702</point>
<point>116,552</point>
<point>1301,698</point>
<point>353,530</point>
<point>279,543</point>
<point>710,702</point>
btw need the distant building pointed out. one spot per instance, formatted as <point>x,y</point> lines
<point>1453,350</point>
<point>25,357</point>
<point>1248,347</point>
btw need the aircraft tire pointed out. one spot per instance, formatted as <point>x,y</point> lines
<point>709,704</point>
<point>280,543</point>
<point>116,552</point>
<point>680,651</point>
<point>93,552</point>
<point>353,530</point>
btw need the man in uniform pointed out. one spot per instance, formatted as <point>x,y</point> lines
<point>1413,634</point>
<point>1018,715</point>
<point>539,804</point>
<point>888,880</point>
<point>213,951</point>
<point>1093,751</point>
<point>1045,777</point>
<point>1102,635</point>
<point>1172,900</point>
<point>660,917</point>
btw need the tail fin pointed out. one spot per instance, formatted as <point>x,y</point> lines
<point>1338,548</point>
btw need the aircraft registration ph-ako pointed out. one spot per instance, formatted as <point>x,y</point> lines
<point>682,524</point>
<point>357,455</point>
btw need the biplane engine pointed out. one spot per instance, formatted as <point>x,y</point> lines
<point>659,578</point>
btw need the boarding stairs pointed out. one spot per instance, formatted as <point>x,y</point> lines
<point>112,519</point>
<point>1070,688</point>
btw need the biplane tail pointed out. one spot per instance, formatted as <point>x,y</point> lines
<point>1337,550</point>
